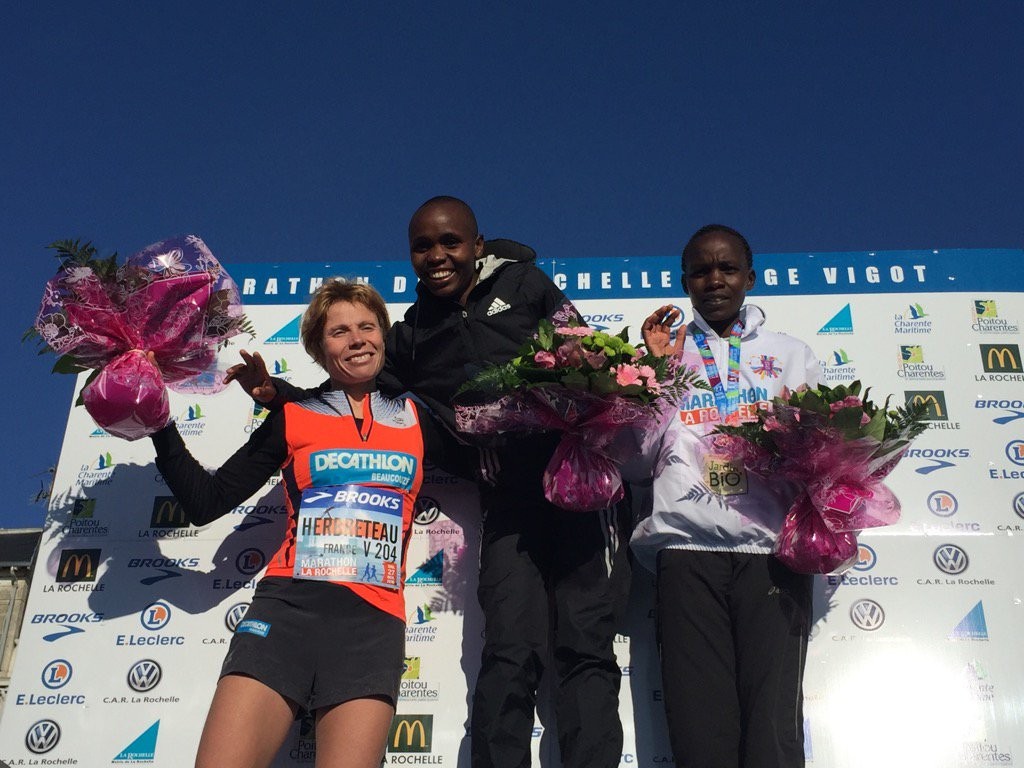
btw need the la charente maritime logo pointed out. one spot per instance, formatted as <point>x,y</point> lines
<point>841,323</point>
<point>914,320</point>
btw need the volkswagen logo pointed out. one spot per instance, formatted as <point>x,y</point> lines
<point>951,559</point>
<point>1018,504</point>
<point>144,675</point>
<point>426,511</point>
<point>867,615</point>
<point>234,615</point>
<point>42,736</point>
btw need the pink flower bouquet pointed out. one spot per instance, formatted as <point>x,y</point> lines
<point>837,448</point>
<point>587,384</point>
<point>172,299</point>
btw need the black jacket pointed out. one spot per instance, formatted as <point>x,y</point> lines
<point>440,344</point>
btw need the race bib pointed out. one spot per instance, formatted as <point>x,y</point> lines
<point>724,477</point>
<point>349,533</point>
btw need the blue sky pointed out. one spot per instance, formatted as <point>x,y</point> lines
<point>310,131</point>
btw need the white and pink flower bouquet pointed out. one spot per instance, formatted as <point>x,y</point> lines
<point>587,384</point>
<point>836,447</point>
<point>172,303</point>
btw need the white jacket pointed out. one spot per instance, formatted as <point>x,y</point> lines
<point>688,508</point>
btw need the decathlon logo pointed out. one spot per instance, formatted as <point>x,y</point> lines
<point>155,616</point>
<point>411,733</point>
<point>42,736</point>
<point>866,558</point>
<point>951,559</point>
<point>1015,452</point>
<point>250,561</point>
<point>942,503</point>
<point>234,615</point>
<point>867,615</point>
<point>56,674</point>
<point>426,511</point>
<point>144,675</point>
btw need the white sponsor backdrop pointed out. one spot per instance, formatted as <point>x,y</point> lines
<point>914,658</point>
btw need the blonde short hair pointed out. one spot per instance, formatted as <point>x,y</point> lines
<point>331,292</point>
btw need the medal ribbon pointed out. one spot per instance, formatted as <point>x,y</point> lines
<point>726,398</point>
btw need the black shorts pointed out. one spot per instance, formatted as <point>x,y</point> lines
<point>317,644</point>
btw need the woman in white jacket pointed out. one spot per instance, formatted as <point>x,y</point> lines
<point>732,620</point>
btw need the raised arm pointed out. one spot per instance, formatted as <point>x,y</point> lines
<point>657,332</point>
<point>205,497</point>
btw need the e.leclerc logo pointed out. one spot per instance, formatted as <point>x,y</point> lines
<point>858,575</point>
<point>154,618</point>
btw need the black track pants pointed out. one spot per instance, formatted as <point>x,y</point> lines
<point>549,576</point>
<point>732,629</point>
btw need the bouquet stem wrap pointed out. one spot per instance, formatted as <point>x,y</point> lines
<point>583,474</point>
<point>172,299</point>
<point>839,480</point>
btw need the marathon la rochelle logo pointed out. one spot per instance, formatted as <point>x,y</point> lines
<point>234,615</point>
<point>950,559</point>
<point>942,503</point>
<point>766,366</point>
<point>57,674</point>
<point>867,615</point>
<point>155,616</point>
<point>42,736</point>
<point>250,561</point>
<point>144,676</point>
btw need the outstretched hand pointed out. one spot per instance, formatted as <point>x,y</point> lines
<point>253,377</point>
<point>657,332</point>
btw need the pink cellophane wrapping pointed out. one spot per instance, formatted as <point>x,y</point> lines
<point>583,474</point>
<point>840,486</point>
<point>173,299</point>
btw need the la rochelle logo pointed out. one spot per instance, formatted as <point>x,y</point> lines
<point>950,559</point>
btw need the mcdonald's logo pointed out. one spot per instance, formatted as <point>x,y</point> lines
<point>167,513</point>
<point>411,733</point>
<point>934,401</point>
<point>1001,358</point>
<point>78,565</point>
